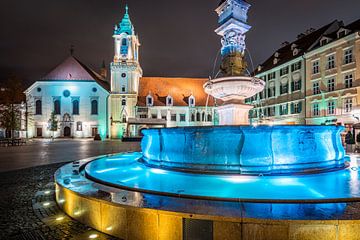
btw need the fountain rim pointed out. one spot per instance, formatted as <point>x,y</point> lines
<point>84,173</point>
<point>233,79</point>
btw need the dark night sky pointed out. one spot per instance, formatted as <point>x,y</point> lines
<point>177,36</point>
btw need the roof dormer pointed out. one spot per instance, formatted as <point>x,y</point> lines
<point>191,101</point>
<point>295,51</point>
<point>293,46</point>
<point>342,32</point>
<point>324,40</point>
<point>149,100</point>
<point>169,101</point>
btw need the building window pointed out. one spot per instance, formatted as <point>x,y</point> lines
<point>316,68</point>
<point>271,111</point>
<point>348,56</point>
<point>38,107</point>
<point>192,117</point>
<point>284,88</point>
<point>262,95</point>
<point>79,126</point>
<point>203,117</point>
<point>271,92</point>
<point>271,76</point>
<point>296,85</point>
<point>348,81</point>
<point>284,109</point>
<point>323,42</point>
<point>296,66</point>
<point>94,107</point>
<point>182,117</point>
<point>192,101</point>
<point>123,89</point>
<point>209,117</point>
<point>331,84</point>
<point>149,101</point>
<point>348,105</point>
<point>154,116</point>
<point>296,108</point>
<point>198,117</point>
<point>66,93</point>
<point>331,108</point>
<point>123,102</point>
<point>75,106</point>
<point>94,89</point>
<point>331,62</point>
<point>124,118</point>
<point>57,107</point>
<point>169,101</point>
<point>316,88</point>
<point>284,71</point>
<point>173,117</point>
<point>315,109</point>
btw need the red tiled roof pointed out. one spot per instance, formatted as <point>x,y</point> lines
<point>180,89</point>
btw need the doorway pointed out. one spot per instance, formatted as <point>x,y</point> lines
<point>38,132</point>
<point>94,131</point>
<point>67,132</point>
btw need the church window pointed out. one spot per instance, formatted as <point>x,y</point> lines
<point>75,105</point>
<point>66,93</point>
<point>94,107</point>
<point>38,107</point>
<point>124,42</point>
<point>123,75</point>
<point>94,89</point>
<point>57,107</point>
<point>123,102</point>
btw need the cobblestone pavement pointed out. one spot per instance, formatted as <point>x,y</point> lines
<point>28,209</point>
<point>44,152</point>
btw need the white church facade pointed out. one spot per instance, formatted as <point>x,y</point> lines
<point>86,103</point>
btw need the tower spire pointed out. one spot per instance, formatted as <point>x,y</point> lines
<point>125,25</point>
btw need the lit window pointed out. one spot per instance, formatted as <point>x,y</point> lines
<point>348,105</point>
<point>331,108</point>
<point>348,80</point>
<point>94,107</point>
<point>316,68</point>
<point>315,109</point>
<point>348,56</point>
<point>331,84</point>
<point>79,126</point>
<point>316,88</point>
<point>331,62</point>
<point>38,107</point>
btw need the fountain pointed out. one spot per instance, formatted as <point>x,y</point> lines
<point>235,181</point>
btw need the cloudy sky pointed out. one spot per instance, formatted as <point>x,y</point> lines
<point>177,36</point>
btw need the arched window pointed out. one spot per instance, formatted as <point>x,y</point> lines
<point>75,105</point>
<point>193,117</point>
<point>38,107</point>
<point>124,42</point>
<point>198,117</point>
<point>191,101</point>
<point>149,101</point>
<point>124,118</point>
<point>94,107</point>
<point>209,118</point>
<point>57,107</point>
<point>169,101</point>
<point>123,102</point>
<point>203,117</point>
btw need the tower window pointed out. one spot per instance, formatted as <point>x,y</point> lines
<point>124,42</point>
<point>94,89</point>
<point>123,102</point>
<point>94,107</point>
<point>123,89</point>
<point>123,75</point>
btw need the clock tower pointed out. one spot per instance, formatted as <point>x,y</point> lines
<point>125,75</point>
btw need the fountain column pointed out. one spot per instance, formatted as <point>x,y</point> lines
<point>233,86</point>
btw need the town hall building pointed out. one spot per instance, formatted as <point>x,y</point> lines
<point>86,103</point>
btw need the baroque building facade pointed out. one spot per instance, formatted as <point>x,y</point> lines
<point>312,80</point>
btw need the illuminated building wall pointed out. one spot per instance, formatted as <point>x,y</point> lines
<point>79,97</point>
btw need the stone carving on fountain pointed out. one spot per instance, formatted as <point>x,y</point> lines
<point>233,86</point>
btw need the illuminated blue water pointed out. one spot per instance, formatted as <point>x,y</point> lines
<point>125,171</point>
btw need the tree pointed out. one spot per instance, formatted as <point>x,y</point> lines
<point>53,123</point>
<point>11,105</point>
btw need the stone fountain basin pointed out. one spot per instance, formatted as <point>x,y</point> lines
<point>245,149</point>
<point>234,88</point>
